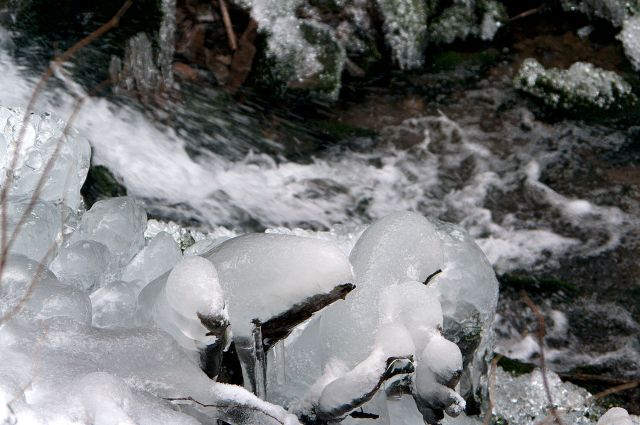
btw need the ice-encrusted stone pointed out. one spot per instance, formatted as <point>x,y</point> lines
<point>40,234</point>
<point>615,11</point>
<point>42,135</point>
<point>581,87</point>
<point>85,265</point>
<point>467,18</point>
<point>157,258</point>
<point>405,30</point>
<point>30,290</point>
<point>184,236</point>
<point>302,53</point>
<point>630,38</point>
<point>118,223</point>
<point>114,305</point>
<point>522,400</point>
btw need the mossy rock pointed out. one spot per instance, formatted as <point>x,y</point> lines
<point>515,367</point>
<point>100,184</point>
<point>282,75</point>
<point>583,90</point>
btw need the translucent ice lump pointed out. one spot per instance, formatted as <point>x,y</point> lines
<point>117,223</point>
<point>405,266</point>
<point>42,137</point>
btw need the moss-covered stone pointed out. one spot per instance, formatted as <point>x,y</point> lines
<point>581,89</point>
<point>467,18</point>
<point>515,367</point>
<point>101,184</point>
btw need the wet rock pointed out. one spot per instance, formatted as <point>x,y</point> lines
<point>101,184</point>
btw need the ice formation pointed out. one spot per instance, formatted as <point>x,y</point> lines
<point>582,86</point>
<point>121,327</point>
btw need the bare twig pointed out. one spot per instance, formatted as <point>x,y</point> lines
<point>59,60</point>
<point>540,333</point>
<point>526,13</point>
<point>492,388</point>
<point>225,406</point>
<point>614,390</point>
<point>231,35</point>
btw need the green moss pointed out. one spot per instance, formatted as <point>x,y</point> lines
<point>515,367</point>
<point>100,184</point>
<point>536,284</point>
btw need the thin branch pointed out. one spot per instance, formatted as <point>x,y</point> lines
<point>4,193</point>
<point>231,35</point>
<point>225,406</point>
<point>541,331</point>
<point>614,390</point>
<point>526,13</point>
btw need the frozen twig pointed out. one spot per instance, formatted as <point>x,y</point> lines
<point>227,408</point>
<point>614,390</point>
<point>492,389</point>
<point>540,333</point>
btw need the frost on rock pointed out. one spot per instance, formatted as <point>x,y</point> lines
<point>522,400</point>
<point>615,11</point>
<point>582,87</point>
<point>630,38</point>
<point>467,18</point>
<point>42,136</point>
<point>405,30</point>
<point>300,53</point>
<point>117,223</point>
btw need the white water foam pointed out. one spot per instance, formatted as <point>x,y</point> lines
<point>451,174</point>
